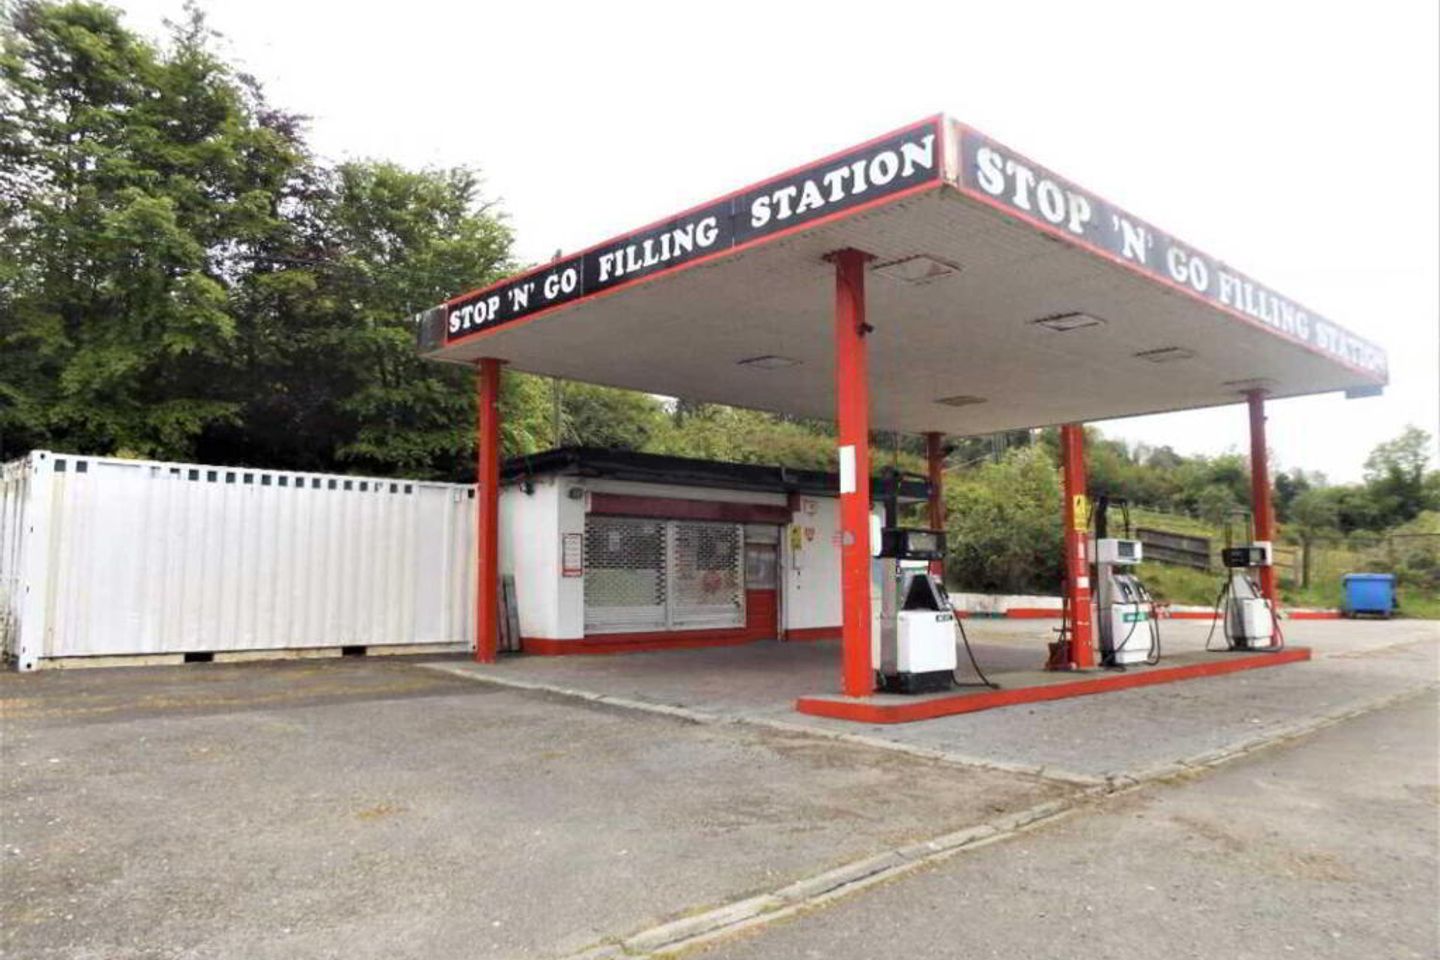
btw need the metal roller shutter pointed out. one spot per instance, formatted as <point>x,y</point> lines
<point>644,575</point>
<point>624,574</point>
<point>707,586</point>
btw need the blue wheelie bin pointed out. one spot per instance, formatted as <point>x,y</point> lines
<point>1372,593</point>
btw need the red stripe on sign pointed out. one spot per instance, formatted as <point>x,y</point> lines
<point>933,121</point>
<point>893,198</point>
<point>1069,238</point>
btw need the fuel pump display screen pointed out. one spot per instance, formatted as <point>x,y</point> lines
<point>922,541</point>
<point>906,544</point>
<point>1237,558</point>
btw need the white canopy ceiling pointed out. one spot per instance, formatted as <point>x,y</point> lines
<point>979,273</point>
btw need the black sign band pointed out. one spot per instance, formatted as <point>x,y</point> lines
<point>1004,178</point>
<point>876,170</point>
<point>889,165</point>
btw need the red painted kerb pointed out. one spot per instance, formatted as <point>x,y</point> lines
<point>908,711</point>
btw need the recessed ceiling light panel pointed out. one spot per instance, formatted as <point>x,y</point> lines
<point>960,400</point>
<point>1065,322</point>
<point>918,269</point>
<point>1166,354</point>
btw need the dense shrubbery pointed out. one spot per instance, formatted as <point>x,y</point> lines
<point>1411,551</point>
<point>1004,524</point>
<point>1388,523</point>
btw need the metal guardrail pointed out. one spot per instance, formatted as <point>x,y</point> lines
<point>1177,548</point>
<point>1185,550</point>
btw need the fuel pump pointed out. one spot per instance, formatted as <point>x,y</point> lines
<point>915,647</point>
<point>1127,627</point>
<point>1249,619</point>
<point>916,640</point>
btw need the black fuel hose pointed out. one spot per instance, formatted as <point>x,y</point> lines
<point>1226,597</point>
<point>984,680</point>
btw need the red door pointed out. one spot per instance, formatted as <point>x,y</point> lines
<point>762,606</point>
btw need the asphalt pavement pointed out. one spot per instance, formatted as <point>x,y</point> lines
<point>376,809</point>
<point>1323,849</point>
<point>381,808</point>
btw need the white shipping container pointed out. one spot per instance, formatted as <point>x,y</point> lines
<point>108,557</point>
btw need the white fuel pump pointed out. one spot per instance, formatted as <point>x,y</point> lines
<point>1248,618</point>
<point>1127,628</point>
<point>915,649</point>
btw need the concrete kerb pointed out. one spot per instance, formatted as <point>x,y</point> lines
<point>727,920</point>
<point>1164,771</point>
<point>1302,728</point>
<point>1198,763</point>
<point>929,753</point>
<point>1056,774</point>
<point>688,928</point>
<point>680,713</point>
<point>818,891</point>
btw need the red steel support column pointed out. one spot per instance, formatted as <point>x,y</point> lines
<point>487,510</point>
<point>935,460</point>
<point>852,413</point>
<point>1077,563</point>
<point>1260,507</point>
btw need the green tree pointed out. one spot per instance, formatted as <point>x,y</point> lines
<point>1163,459</point>
<point>331,378</point>
<point>133,185</point>
<point>180,278</point>
<point>1395,476</point>
<point>1003,522</point>
<point>1216,504</point>
<point>594,416</point>
<point>967,451</point>
<point>1354,508</point>
<point>718,432</point>
<point>1289,487</point>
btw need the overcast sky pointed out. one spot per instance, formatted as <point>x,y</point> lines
<point>1297,141</point>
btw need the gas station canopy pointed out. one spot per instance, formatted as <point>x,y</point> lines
<point>1001,296</point>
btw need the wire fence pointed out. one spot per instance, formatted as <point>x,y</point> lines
<point>1302,562</point>
<point>1414,558</point>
